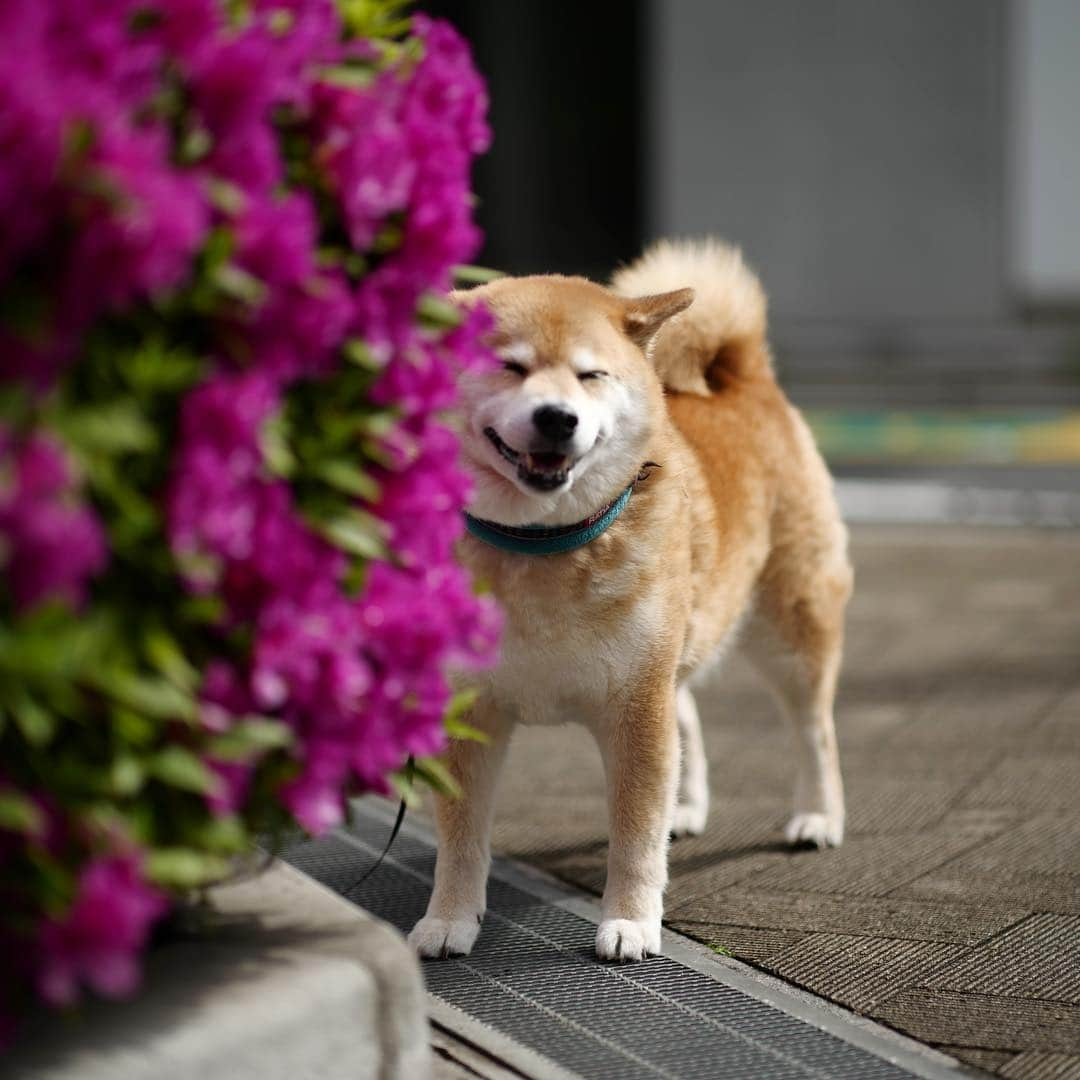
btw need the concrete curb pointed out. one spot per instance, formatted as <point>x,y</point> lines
<point>291,982</point>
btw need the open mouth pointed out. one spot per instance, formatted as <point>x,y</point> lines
<point>544,471</point>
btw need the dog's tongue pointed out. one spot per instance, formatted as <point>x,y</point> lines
<point>545,462</point>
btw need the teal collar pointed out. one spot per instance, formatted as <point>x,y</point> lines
<point>543,540</point>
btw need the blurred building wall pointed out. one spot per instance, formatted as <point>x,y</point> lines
<point>853,149</point>
<point>905,174</point>
<point>1044,37</point>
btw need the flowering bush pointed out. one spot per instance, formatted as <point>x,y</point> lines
<point>227,502</point>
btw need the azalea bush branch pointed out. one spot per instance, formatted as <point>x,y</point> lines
<point>228,501</point>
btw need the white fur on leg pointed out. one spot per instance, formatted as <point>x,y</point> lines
<point>689,819</point>
<point>819,830</point>
<point>819,795</point>
<point>692,808</point>
<point>628,939</point>
<point>444,937</point>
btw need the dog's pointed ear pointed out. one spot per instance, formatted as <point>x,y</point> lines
<point>644,315</point>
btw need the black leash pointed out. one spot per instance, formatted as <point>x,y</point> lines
<point>389,843</point>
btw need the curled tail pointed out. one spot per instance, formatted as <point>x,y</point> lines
<point>721,336</point>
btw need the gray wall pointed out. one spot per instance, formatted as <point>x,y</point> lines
<point>1044,37</point>
<point>854,148</point>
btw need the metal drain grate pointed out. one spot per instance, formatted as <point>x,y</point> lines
<point>533,978</point>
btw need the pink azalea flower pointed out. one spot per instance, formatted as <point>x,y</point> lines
<point>98,940</point>
<point>50,545</point>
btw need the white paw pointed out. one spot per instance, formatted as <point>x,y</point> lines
<point>819,830</point>
<point>627,939</point>
<point>444,937</point>
<point>689,819</point>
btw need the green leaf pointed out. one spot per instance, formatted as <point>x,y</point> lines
<point>250,737</point>
<point>180,768</point>
<point>281,21</point>
<point>158,366</point>
<point>145,694</point>
<point>405,788</point>
<point>115,428</point>
<point>15,402</point>
<point>456,726</point>
<point>184,868</point>
<point>476,275</point>
<point>208,609</point>
<point>51,644</point>
<point>459,729</point>
<point>194,145</point>
<point>358,352</point>
<point>350,76</point>
<point>20,814</point>
<point>274,444</point>
<point>220,242</point>
<point>436,775</point>
<point>126,775</point>
<point>237,283</point>
<point>224,835</point>
<point>355,532</point>
<point>37,724</point>
<point>438,312</point>
<point>133,728</point>
<point>164,652</point>
<point>348,478</point>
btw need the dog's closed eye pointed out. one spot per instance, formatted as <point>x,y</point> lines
<point>584,375</point>
<point>515,367</point>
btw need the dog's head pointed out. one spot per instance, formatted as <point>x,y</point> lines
<point>561,427</point>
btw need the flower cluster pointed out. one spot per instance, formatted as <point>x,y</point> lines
<point>53,542</point>
<point>228,501</point>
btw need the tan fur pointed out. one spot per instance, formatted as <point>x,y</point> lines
<point>736,528</point>
<point>725,335</point>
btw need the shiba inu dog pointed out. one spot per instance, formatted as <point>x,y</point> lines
<point>646,498</point>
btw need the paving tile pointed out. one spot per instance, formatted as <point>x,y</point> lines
<point>1049,843</point>
<point>990,1060</point>
<point>978,705</point>
<point>1037,958</point>
<point>1057,893</point>
<point>924,757</point>
<point>1036,1066</point>
<point>989,1023</point>
<point>890,804</point>
<point>1035,864</point>
<point>752,945</point>
<point>1060,728</point>
<point>888,917</point>
<point>867,866</point>
<point>861,972</point>
<point>1036,782</point>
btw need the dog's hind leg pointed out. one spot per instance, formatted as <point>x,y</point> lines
<point>459,897</point>
<point>795,640</point>
<point>692,805</point>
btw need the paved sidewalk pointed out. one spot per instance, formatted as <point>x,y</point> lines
<point>952,912</point>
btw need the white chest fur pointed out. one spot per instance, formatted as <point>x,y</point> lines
<point>560,663</point>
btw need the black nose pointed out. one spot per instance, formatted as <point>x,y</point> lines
<point>554,423</point>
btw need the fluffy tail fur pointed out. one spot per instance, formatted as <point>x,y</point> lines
<point>721,336</point>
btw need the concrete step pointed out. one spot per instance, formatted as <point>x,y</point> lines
<point>287,982</point>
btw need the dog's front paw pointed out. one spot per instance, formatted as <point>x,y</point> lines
<point>444,937</point>
<point>815,830</point>
<point>627,939</point>
<point>688,820</point>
